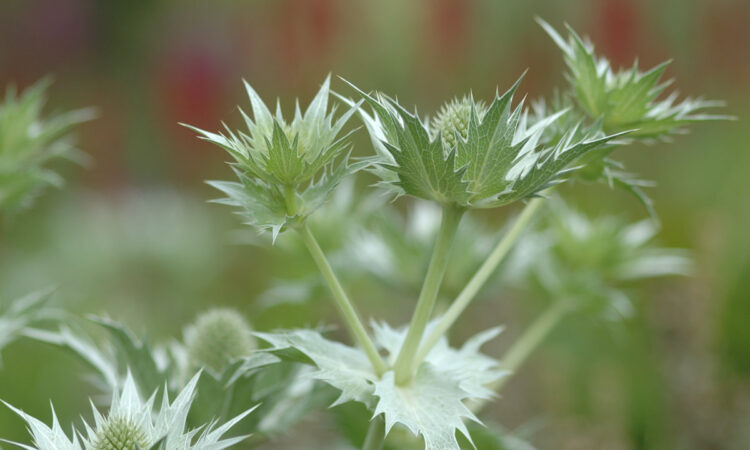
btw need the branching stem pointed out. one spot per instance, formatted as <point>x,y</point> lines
<point>533,336</point>
<point>345,306</point>
<point>480,277</point>
<point>405,364</point>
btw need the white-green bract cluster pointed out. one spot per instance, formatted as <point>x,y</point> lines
<point>471,156</point>
<point>431,405</point>
<point>286,170</point>
<point>28,142</point>
<point>133,423</point>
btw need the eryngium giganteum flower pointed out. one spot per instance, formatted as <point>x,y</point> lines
<point>133,423</point>
<point>286,169</point>
<point>471,155</point>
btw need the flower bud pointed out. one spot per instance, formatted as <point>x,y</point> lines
<point>217,337</point>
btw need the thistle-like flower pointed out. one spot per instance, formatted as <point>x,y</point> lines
<point>132,424</point>
<point>28,141</point>
<point>216,338</point>
<point>286,170</point>
<point>471,156</point>
<point>626,99</point>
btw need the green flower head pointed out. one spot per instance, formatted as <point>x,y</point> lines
<point>119,433</point>
<point>218,337</point>
<point>473,156</point>
<point>286,169</point>
<point>452,120</point>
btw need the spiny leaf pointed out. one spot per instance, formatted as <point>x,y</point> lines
<point>345,368</point>
<point>500,160</point>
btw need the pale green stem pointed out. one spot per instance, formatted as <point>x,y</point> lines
<point>480,278</point>
<point>448,225</point>
<point>375,435</point>
<point>524,346</point>
<point>530,340</point>
<point>345,306</point>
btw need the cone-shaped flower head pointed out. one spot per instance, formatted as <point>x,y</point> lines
<point>470,155</point>
<point>133,423</point>
<point>218,337</point>
<point>286,169</point>
<point>452,120</point>
<point>119,433</point>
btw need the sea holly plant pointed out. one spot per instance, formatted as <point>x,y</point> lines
<point>471,155</point>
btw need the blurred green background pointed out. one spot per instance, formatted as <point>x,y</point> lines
<point>133,237</point>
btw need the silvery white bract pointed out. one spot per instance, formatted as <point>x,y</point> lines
<point>432,404</point>
<point>286,170</point>
<point>133,423</point>
<point>496,159</point>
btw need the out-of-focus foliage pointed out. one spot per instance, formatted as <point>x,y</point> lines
<point>150,246</point>
<point>29,141</point>
<point>21,313</point>
<point>590,262</point>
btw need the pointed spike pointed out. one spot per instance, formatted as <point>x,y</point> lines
<point>556,37</point>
